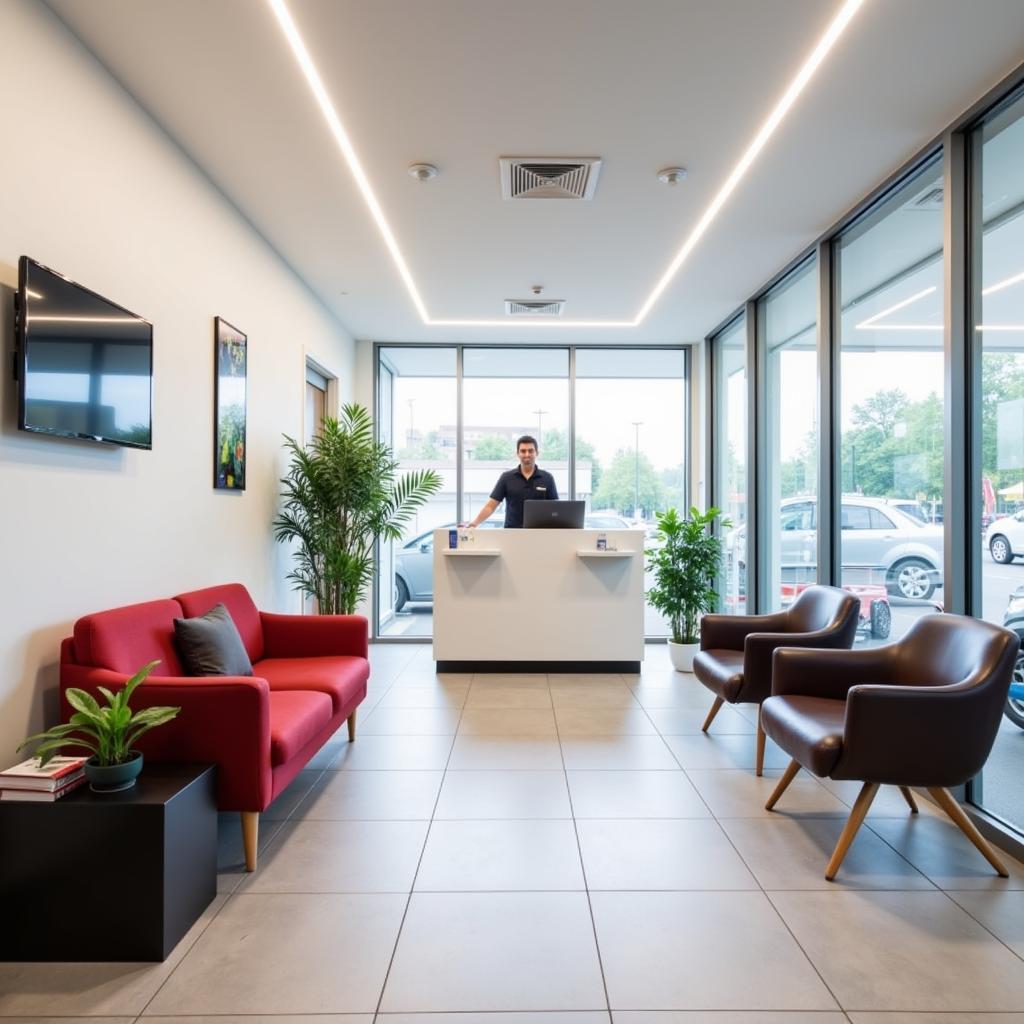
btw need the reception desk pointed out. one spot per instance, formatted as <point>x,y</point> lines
<point>539,600</point>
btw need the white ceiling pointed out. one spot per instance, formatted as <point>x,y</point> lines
<point>460,83</point>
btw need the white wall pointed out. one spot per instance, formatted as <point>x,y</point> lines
<point>91,187</point>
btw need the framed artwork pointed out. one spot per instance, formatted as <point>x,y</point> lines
<point>229,454</point>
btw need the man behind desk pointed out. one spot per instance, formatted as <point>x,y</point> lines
<point>527,482</point>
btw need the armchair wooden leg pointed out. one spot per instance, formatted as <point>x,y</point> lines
<point>715,708</point>
<point>945,800</point>
<point>250,837</point>
<point>861,806</point>
<point>787,777</point>
<point>908,795</point>
<point>759,760</point>
<point>352,727</point>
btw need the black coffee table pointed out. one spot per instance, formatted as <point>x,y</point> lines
<point>115,876</point>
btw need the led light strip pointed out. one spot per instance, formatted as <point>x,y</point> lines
<point>789,97</point>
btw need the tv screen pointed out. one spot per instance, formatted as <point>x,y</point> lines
<point>85,364</point>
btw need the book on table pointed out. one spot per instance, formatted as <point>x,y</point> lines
<point>44,795</point>
<point>29,776</point>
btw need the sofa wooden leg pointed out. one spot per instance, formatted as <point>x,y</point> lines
<point>352,727</point>
<point>715,708</point>
<point>861,806</point>
<point>250,837</point>
<point>759,761</point>
<point>945,800</point>
<point>908,795</point>
<point>787,777</point>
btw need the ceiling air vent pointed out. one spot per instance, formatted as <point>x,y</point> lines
<point>549,178</point>
<point>930,199</point>
<point>534,307</point>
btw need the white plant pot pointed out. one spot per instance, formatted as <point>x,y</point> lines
<point>681,655</point>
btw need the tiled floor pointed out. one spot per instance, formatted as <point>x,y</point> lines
<point>568,850</point>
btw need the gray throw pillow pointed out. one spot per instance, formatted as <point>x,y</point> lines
<point>210,645</point>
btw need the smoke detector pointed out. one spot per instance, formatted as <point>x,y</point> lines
<point>422,172</point>
<point>549,177</point>
<point>534,307</point>
<point>672,175</point>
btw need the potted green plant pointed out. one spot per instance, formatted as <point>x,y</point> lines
<point>108,732</point>
<point>339,498</point>
<point>685,563</point>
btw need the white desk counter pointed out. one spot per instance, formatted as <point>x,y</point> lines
<point>539,600</point>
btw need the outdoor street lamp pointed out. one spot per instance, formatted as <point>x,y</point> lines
<point>637,424</point>
<point>540,415</point>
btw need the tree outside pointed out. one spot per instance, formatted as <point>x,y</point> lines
<point>618,487</point>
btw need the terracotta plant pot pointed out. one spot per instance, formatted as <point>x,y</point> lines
<point>112,778</point>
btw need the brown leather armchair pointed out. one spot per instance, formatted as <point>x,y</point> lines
<point>920,712</point>
<point>735,657</point>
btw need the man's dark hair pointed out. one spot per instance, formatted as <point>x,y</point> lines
<point>526,439</point>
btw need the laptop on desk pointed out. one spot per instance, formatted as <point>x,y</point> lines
<point>553,515</point>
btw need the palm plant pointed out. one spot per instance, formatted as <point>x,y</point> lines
<point>685,567</point>
<point>339,498</point>
<point>108,732</point>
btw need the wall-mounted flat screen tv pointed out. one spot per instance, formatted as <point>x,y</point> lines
<point>84,364</point>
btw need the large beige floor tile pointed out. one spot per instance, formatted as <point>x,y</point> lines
<point>271,954</point>
<point>741,794</point>
<point>372,796</point>
<point>396,753</point>
<point>411,722</point>
<point>330,751</point>
<point>503,794</point>
<point>727,1017</point>
<point>701,950</point>
<point>1002,913</point>
<point>936,1018</point>
<point>284,1018</point>
<point>902,951</point>
<point>556,1017</point>
<point>938,848</point>
<point>628,721</point>
<point>495,951</point>
<point>285,804</point>
<point>484,696</point>
<point>622,753</point>
<point>597,695</point>
<point>660,854</point>
<point>419,678</point>
<point>452,697</point>
<point>467,856</point>
<point>635,794</point>
<point>586,680</point>
<point>684,693</point>
<point>717,752</point>
<point>92,989</point>
<point>480,752</point>
<point>888,802</point>
<point>340,856</point>
<point>688,721</point>
<point>508,722</point>
<point>510,680</point>
<point>788,854</point>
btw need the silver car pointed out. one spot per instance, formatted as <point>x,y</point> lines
<point>880,544</point>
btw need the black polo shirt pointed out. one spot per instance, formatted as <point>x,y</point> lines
<point>513,488</point>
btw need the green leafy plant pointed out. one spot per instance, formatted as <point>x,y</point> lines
<point>339,498</point>
<point>108,732</point>
<point>685,566</point>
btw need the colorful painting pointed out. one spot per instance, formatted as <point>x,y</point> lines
<point>229,453</point>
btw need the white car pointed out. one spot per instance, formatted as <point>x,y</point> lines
<point>1005,538</point>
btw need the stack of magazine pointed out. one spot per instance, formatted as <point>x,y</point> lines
<point>27,781</point>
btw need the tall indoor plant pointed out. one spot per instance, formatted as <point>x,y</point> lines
<point>339,498</point>
<point>685,563</point>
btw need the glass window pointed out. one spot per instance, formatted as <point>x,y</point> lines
<point>630,440</point>
<point>730,467</point>
<point>892,394</point>
<point>416,406</point>
<point>788,317</point>
<point>1000,331</point>
<point>508,393</point>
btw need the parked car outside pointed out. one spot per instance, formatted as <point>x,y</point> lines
<point>1013,618</point>
<point>875,615</point>
<point>880,546</point>
<point>1004,538</point>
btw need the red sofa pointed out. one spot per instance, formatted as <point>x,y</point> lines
<point>309,675</point>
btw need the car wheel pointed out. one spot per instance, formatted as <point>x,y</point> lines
<point>999,548</point>
<point>912,579</point>
<point>881,619</point>
<point>1014,709</point>
<point>401,594</point>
